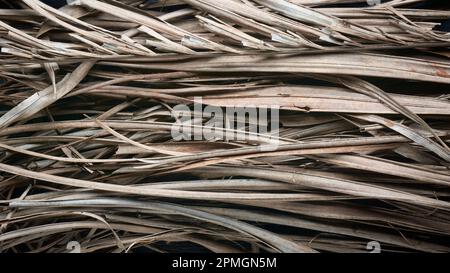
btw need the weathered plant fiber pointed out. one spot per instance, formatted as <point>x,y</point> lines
<point>87,97</point>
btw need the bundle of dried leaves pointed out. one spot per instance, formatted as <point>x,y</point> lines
<point>88,97</point>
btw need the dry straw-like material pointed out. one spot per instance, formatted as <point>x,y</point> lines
<point>87,97</point>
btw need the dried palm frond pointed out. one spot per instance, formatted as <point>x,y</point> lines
<point>89,94</point>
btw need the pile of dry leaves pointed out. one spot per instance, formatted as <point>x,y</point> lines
<point>355,151</point>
